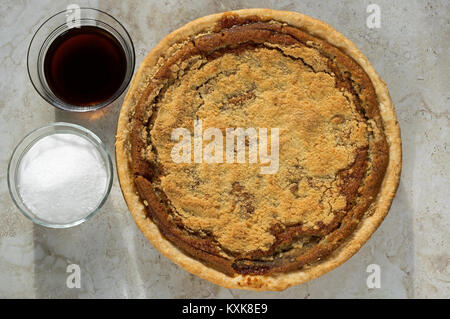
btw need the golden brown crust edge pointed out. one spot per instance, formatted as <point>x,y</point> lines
<point>367,226</point>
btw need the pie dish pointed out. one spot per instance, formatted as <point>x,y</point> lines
<point>339,148</point>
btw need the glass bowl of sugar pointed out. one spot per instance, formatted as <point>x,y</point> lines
<point>60,175</point>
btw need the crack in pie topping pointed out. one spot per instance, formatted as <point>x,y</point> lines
<point>251,72</point>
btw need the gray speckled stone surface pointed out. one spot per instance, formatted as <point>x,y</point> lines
<point>411,53</point>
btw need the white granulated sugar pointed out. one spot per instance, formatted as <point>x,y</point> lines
<point>62,178</point>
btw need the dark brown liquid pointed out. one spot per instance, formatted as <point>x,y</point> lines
<point>85,66</point>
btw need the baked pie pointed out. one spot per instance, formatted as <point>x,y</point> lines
<point>338,150</point>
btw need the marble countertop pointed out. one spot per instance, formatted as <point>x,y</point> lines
<point>411,53</point>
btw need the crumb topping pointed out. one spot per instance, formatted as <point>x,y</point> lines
<point>332,150</point>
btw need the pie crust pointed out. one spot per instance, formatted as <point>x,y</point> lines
<point>374,182</point>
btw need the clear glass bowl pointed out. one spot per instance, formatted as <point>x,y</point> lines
<point>25,145</point>
<point>54,27</point>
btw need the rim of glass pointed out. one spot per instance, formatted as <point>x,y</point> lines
<point>126,81</point>
<point>39,134</point>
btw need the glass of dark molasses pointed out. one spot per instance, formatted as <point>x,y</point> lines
<point>81,59</point>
